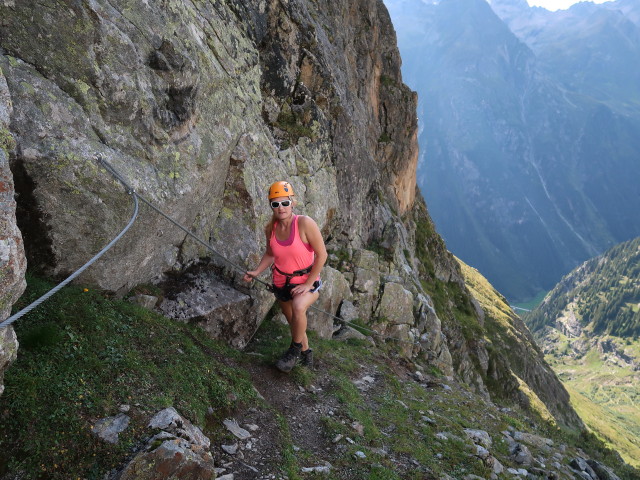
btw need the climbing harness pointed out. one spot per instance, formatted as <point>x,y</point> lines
<point>136,196</point>
<point>284,293</point>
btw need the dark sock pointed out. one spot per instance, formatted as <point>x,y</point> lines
<point>306,351</point>
<point>297,345</point>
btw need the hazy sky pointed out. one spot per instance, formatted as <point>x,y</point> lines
<point>556,4</point>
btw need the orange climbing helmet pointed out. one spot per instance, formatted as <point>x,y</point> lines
<point>280,189</point>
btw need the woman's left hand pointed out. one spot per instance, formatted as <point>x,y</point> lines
<point>302,288</point>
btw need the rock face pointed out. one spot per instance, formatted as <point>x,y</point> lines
<point>201,108</point>
<point>12,259</point>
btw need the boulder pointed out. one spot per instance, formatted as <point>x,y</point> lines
<point>108,429</point>
<point>172,459</point>
<point>603,472</point>
<point>479,437</point>
<point>533,440</point>
<point>494,464</point>
<point>366,282</point>
<point>348,311</point>
<point>335,289</point>
<point>202,298</point>
<point>396,305</point>
<point>8,351</point>
<point>432,339</point>
<point>145,301</point>
<point>403,334</point>
<point>170,421</point>
<point>179,450</point>
<point>521,454</point>
<point>12,258</point>
<point>347,333</point>
<point>582,467</point>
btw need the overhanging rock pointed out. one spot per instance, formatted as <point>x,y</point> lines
<point>204,299</point>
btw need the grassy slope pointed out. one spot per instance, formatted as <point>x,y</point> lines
<point>83,355</point>
<point>499,325</point>
<point>606,396</point>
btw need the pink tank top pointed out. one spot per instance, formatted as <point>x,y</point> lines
<point>290,255</point>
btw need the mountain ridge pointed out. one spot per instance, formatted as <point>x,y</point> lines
<point>533,170</point>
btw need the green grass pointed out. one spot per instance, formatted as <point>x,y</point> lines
<point>83,355</point>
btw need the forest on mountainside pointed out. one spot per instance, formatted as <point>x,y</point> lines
<point>604,291</point>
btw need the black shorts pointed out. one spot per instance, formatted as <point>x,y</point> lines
<point>284,293</point>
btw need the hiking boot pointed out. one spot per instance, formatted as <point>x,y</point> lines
<point>306,359</point>
<point>289,358</point>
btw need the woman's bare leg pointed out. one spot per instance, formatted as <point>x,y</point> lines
<point>295,312</point>
<point>299,307</point>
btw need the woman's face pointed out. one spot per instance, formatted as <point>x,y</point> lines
<point>281,206</point>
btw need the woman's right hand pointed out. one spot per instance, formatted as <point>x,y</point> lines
<point>249,276</point>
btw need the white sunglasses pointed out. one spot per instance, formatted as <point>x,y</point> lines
<point>284,203</point>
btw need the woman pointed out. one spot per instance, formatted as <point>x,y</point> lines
<point>296,253</point>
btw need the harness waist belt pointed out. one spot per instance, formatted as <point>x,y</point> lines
<point>297,273</point>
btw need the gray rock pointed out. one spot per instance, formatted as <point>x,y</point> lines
<point>145,301</point>
<point>584,475</point>
<point>366,281</point>
<point>230,449</point>
<point>172,459</point>
<point>346,333</point>
<point>396,305</point>
<point>108,429</point>
<point>209,302</point>
<point>171,421</point>
<point>482,452</point>
<point>232,425</point>
<point>13,263</point>
<point>335,289</point>
<point>603,472</point>
<point>319,469</point>
<point>580,465</point>
<point>8,351</point>
<point>494,464</point>
<point>479,437</point>
<point>519,471</point>
<point>432,340</point>
<point>532,439</point>
<point>521,454</point>
<point>348,311</point>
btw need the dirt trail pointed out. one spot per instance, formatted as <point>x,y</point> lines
<point>302,409</point>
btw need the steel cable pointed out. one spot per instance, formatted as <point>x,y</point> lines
<point>240,269</point>
<point>62,284</point>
